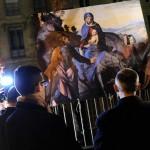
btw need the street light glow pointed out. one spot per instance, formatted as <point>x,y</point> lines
<point>6,80</point>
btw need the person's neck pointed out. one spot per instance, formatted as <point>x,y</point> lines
<point>125,94</point>
<point>32,98</point>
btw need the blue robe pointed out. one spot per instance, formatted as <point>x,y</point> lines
<point>85,30</point>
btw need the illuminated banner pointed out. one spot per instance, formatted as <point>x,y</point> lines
<point>80,50</point>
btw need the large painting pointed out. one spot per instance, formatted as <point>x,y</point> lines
<point>81,50</point>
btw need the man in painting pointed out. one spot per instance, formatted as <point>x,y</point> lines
<point>61,71</point>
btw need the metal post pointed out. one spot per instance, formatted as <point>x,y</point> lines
<point>82,125</point>
<point>95,107</point>
<point>89,118</point>
<point>73,120</point>
<point>64,113</point>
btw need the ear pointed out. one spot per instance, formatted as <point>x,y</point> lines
<point>116,88</point>
<point>138,86</point>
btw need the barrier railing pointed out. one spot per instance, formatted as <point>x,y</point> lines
<point>81,115</point>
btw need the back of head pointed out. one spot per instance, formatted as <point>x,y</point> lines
<point>26,78</point>
<point>128,79</point>
<point>12,95</point>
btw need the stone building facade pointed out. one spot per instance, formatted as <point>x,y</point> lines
<point>17,45</point>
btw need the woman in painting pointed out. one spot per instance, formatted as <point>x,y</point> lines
<point>61,70</point>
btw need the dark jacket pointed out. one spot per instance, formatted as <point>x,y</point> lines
<point>3,118</point>
<point>124,127</point>
<point>31,127</point>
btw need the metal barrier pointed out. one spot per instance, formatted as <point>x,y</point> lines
<point>81,115</point>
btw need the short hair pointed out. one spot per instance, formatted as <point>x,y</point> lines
<point>26,78</point>
<point>12,94</point>
<point>128,79</point>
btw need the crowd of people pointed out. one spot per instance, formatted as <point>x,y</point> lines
<point>28,124</point>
